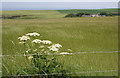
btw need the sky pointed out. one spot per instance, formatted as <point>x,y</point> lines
<point>57,5</point>
<point>60,0</point>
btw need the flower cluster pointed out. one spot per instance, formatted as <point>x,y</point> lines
<point>40,41</point>
<point>24,38</point>
<point>36,51</point>
<point>30,57</point>
<point>36,41</point>
<point>33,34</point>
<point>22,42</point>
<point>54,49</point>
<point>41,46</point>
<point>57,45</point>
<point>46,42</point>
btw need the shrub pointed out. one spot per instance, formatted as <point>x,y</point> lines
<point>106,14</point>
<point>79,14</point>
<point>109,14</point>
<point>44,59</point>
<point>70,15</point>
<point>103,13</point>
<point>86,13</point>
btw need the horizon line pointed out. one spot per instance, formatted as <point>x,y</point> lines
<point>61,9</point>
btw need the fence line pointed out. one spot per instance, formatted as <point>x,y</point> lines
<point>61,73</point>
<point>62,54</point>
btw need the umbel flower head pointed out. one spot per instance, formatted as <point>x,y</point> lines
<point>24,38</point>
<point>36,41</point>
<point>21,42</point>
<point>46,42</point>
<point>33,34</point>
<point>57,45</point>
<point>54,49</point>
<point>30,57</point>
<point>44,45</point>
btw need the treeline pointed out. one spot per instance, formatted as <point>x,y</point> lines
<point>13,16</point>
<point>82,13</point>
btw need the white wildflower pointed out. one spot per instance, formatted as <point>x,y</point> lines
<point>24,38</point>
<point>65,53</point>
<point>49,46</point>
<point>21,42</point>
<point>43,50</point>
<point>41,46</point>
<point>30,57</point>
<point>36,41</point>
<point>46,42</point>
<point>57,45</point>
<point>27,51</point>
<point>33,34</point>
<point>69,50</point>
<point>54,49</point>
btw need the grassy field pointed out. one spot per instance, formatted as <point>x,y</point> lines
<point>84,34</point>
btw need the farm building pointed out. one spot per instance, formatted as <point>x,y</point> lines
<point>93,15</point>
<point>86,15</point>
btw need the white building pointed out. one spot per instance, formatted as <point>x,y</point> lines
<point>86,15</point>
<point>95,15</point>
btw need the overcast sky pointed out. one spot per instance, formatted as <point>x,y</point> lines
<point>57,5</point>
<point>60,0</point>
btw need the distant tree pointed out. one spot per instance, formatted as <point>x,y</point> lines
<point>70,15</point>
<point>79,14</point>
<point>86,13</point>
<point>103,13</point>
<point>109,14</point>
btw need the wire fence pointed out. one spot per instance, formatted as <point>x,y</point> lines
<point>62,73</point>
<point>62,54</point>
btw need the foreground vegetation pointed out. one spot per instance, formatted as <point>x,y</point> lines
<point>79,34</point>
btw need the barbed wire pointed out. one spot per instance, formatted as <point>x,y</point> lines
<point>61,73</point>
<point>62,54</point>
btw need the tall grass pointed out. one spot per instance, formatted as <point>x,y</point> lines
<point>79,34</point>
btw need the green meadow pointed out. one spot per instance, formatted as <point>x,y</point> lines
<point>81,34</point>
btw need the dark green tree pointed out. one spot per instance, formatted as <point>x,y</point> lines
<point>79,14</point>
<point>103,13</point>
<point>70,15</point>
